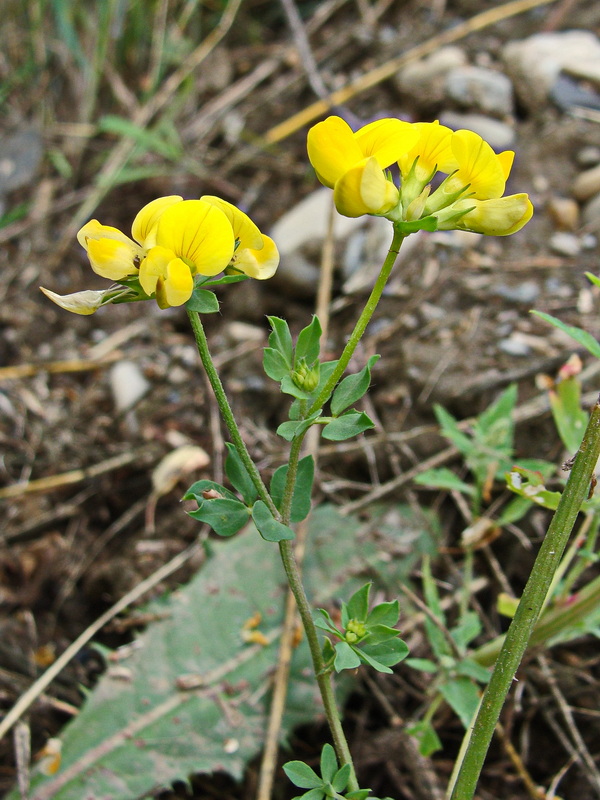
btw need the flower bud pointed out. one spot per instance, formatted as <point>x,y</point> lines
<point>305,377</point>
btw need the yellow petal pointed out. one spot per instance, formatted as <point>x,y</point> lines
<point>365,190</point>
<point>94,230</point>
<point>495,217</point>
<point>386,140</point>
<point>84,303</point>
<point>260,264</point>
<point>199,233</point>
<point>143,229</point>
<point>433,150</point>
<point>478,166</point>
<point>506,161</point>
<point>112,259</point>
<point>177,286</point>
<point>244,230</point>
<point>332,149</point>
<point>153,267</point>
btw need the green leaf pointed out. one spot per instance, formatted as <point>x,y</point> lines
<point>423,665</point>
<point>436,638</point>
<point>352,388</point>
<point>225,517</point>
<point>374,663</point>
<point>225,280</point>
<point>462,695</point>
<point>269,528</point>
<point>529,484</point>
<point>340,779</point>
<point>289,387</point>
<point>384,614</point>
<point>203,301</point>
<point>389,652</point>
<point>325,622</point>
<point>308,344</point>
<point>451,431</point>
<point>238,474</point>
<point>329,764</point>
<point>584,338</point>
<point>280,339</point>
<point>345,657</point>
<point>471,669</point>
<point>347,426</point>
<point>301,775</point>
<point>196,489</point>
<point>301,498</point>
<point>274,364</point>
<point>312,794</point>
<point>468,629</point>
<point>424,733</point>
<point>444,478</point>
<point>149,140</point>
<point>290,430</point>
<point>570,419</point>
<point>357,607</point>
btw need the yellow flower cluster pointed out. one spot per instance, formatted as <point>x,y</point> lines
<point>174,240</point>
<point>470,197</point>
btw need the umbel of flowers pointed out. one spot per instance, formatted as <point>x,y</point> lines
<point>175,244</point>
<point>469,197</point>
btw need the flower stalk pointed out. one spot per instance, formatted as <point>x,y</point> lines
<point>528,610</point>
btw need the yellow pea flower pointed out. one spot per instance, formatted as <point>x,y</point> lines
<point>255,254</point>
<point>478,166</point>
<point>357,161</point>
<point>499,216</point>
<point>432,152</point>
<point>112,254</point>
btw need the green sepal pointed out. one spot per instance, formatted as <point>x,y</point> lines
<point>203,301</point>
<point>325,370</point>
<point>226,517</point>
<point>224,280</point>
<point>238,474</point>
<point>269,528</point>
<point>301,498</point>
<point>289,387</point>
<point>352,388</point>
<point>429,223</point>
<point>348,425</point>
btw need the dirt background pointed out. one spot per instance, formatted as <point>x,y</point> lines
<point>75,546</point>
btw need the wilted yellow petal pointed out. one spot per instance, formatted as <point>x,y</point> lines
<point>143,229</point>
<point>84,303</point>
<point>478,166</point>
<point>260,264</point>
<point>112,258</point>
<point>433,150</point>
<point>199,233</point>
<point>386,140</point>
<point>365,190</point>
<point>153,267</point>
<point>244,230</point>
<point>332,149</point>
<point>176,287</point>
<point>495,217</point>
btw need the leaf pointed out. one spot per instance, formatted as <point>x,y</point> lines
<point>289,387</point>
<point>226,517</point>
<point>203,301</point>
<point>195,492</point>
<point>462,695</point>
<point>389,652</point>
<point>301,498</point>
<point>444,478</point>
<point>451,431</point>
<point>529,484</point>
<point>357,607</point>
<point>468,629</point>
<point>308,344</point>
<point>290,430</point>
<point>424,733</point>
<point>301,775</point>
<point>384,614</point>
<point>340,779</point>
<point>280,339</point>
<point>352,388</point>
<point>471,669</point>
<point>570,419</point>
<point>269,528</point>
<point>329,764</point>
<point>584,338</point>
<point>423,665</point>
<point>150,141</point>
<point>238,474</point>
<point>345,657</point>
<point>346,426</point>
<point>274,364</point>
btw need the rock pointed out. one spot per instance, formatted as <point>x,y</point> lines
<point>128,385</point>
<point>535,63</point>
<point>588,156</point>
<point>20,157</point>
<point>480,89</point>
<point>526,292</point>
<point>499,134</point>
<point>564,212</point>
<point>565,244</point>
<point>591,214</point>
<point>568,93</point>
<point>513,346</point>
<point>423,80</point>
<point>586,184</point>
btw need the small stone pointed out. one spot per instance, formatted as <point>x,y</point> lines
<point>565,244</point>
<point>128,385</point>
<point>588,156</point>
<point>514,347</point>
<point>591,214</point>
<point>589,241</point>
<point>526,292</point>
<point>481,89</point>
<point>20,157</point>
<point>586,184</point>
<point>567,93</point>
<point>564,212</point>
<point>424,80</point>
<point>499,134</point>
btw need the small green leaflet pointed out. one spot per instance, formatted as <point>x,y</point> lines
<point>203,301</point>
<point>238,474</point>
<point>269,528</point>
<point>301,499</point>
<point>348,425</point>
<point>352,388</point>
<point>583,337</point>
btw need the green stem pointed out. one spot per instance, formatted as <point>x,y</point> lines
<point>528,611</point>
<point>225,408</point>
<point>323,678</point>
<point>361,323</point>
<point>290,482</point>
